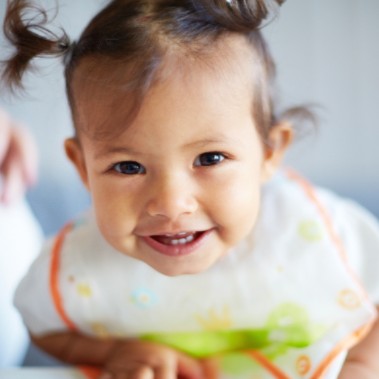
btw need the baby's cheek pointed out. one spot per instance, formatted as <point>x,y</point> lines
<point>243,201</point>
<point>118,235</point>
<point>112,221</point>
<point>239,213</point>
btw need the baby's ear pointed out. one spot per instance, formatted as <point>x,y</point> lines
<point>75,153</point>
<point>279,139</point>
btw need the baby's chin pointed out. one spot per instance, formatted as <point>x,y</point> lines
<point>182,267</point>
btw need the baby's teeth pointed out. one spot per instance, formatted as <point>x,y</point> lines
<point>182,241</point>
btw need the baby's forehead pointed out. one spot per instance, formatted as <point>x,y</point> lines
<point>230,52</point>
<point>121,86</point>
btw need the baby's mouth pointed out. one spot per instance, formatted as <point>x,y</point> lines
<point>182,238</point>
<point>177,244</point>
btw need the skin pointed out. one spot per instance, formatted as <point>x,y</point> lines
<point>190,117</point>
<point>362,360</point>
<point>18,160</point>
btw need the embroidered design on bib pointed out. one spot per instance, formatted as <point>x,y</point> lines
<point>143,297</point>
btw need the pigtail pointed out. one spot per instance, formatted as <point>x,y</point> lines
<point>240,16</point>
<point>25,28</point>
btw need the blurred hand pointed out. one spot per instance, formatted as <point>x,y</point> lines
<point>362,360</point>
<point>18,159</point>
<point>355,370</point>
<point>134,359</point>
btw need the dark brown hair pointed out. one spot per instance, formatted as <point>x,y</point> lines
<point>139,34</point>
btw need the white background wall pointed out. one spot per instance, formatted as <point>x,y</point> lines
<point>327,53</point>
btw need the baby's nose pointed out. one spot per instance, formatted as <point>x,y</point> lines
<point>171,198</point>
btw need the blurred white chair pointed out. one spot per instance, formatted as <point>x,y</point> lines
<point>20,241</point>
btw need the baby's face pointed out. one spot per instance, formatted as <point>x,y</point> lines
<point>181,185</point>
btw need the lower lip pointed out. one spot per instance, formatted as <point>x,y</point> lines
<point>177,250</point>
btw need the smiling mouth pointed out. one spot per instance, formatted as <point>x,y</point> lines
<point>183,238</point>
<point>178,244</point>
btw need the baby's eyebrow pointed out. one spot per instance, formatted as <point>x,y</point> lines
<point>208,141</point>
<point>103,153</point>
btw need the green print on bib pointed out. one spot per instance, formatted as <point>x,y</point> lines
<point>237,364</point>
<point>287,326</point>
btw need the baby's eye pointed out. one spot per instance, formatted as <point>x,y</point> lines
<point>129,168</point>
<point>209,159</point>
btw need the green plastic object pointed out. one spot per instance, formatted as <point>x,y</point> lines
<point>287,326</point>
